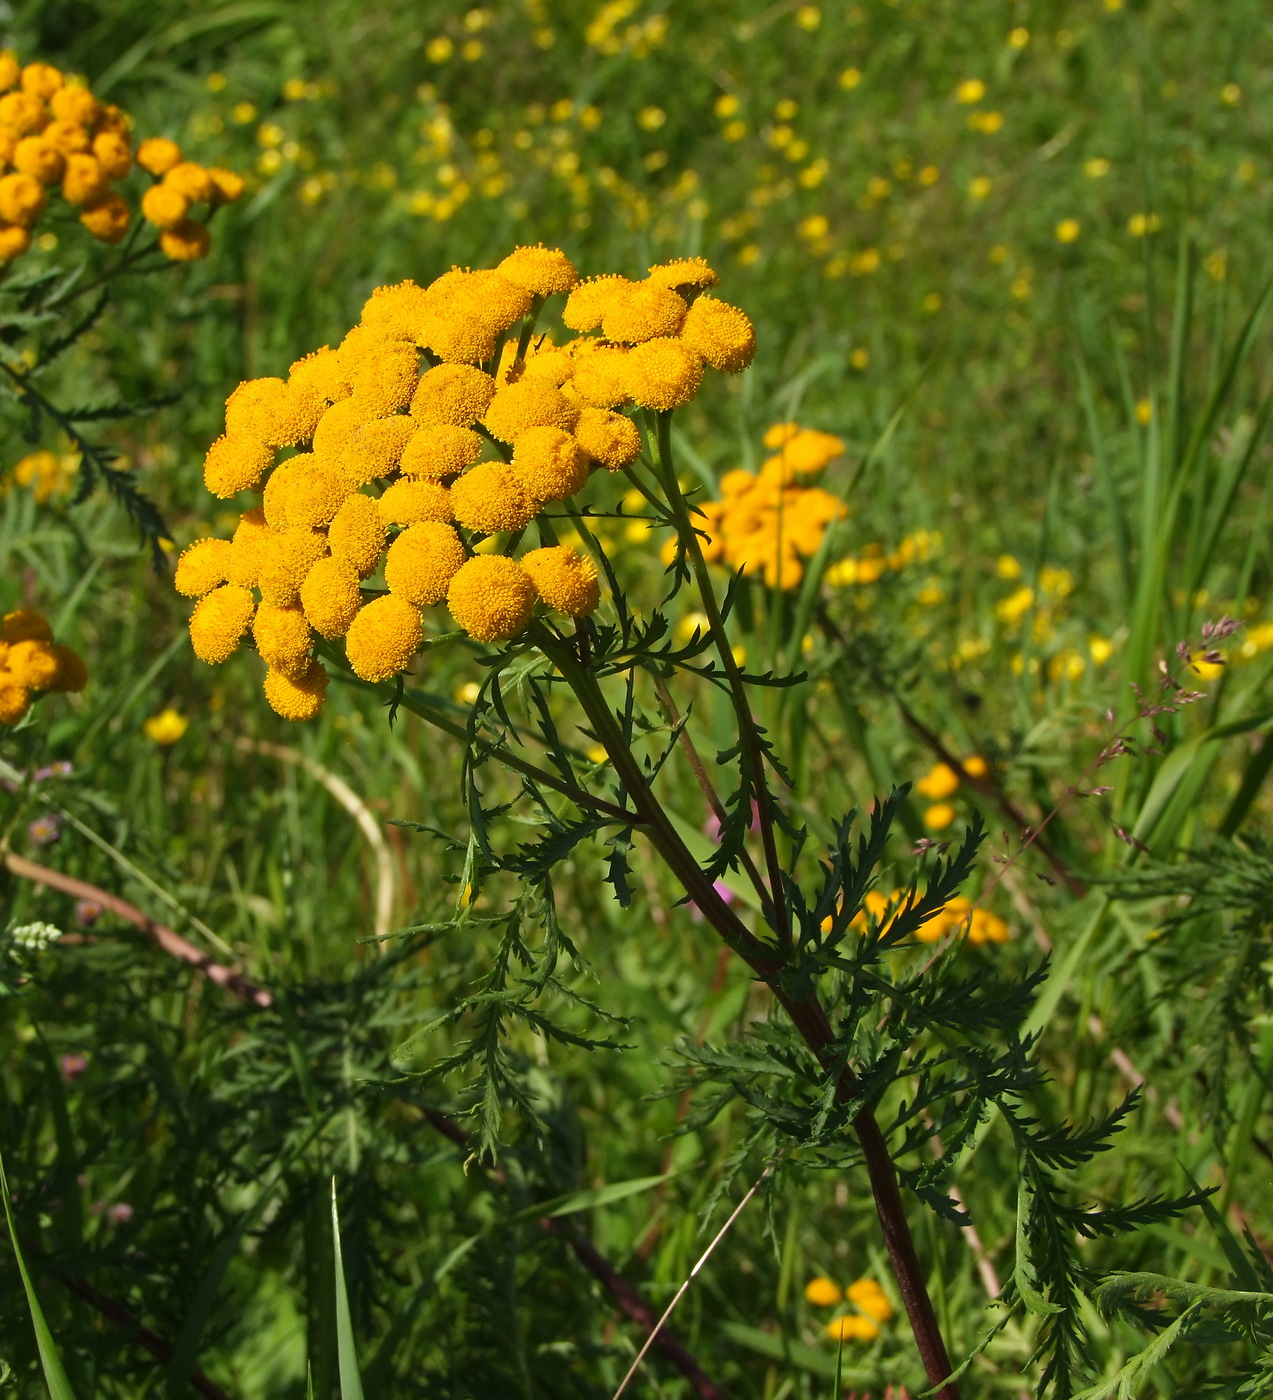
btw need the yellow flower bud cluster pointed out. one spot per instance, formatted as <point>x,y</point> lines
<point>32,662</point>
<point>940,783</point>
<point>49,475</point>
<point>54,134</point>
<point>770,521</point>
<point>873,562</point>
<point>956,916</point>
<point>439,424</point>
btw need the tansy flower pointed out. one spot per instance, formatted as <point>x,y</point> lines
<point>491,499</point>
<point>289,416</point>
<point>108,218</point>
<point>282,637</point>
<point>13,241</point>
<point>550,463</point>
<point>15,701</point>
<point>565,579</point>
<point>331,596</point>
<point>388,380</point>
<point>642,311</point>
<point>870,1298</point>
<point>663,374</point>
<point>375,448</point>
<point>68,138</point>
<point>25,624</point>
<point>322,373</point>
<point>939,816</point>
<point>72,673</point>
<point>23,113</point>
<point>722,334</point>
<point>166,727</point>
<point>455,394</point>
<point>410,501</point>
<point>601,378</point>
<point>164,207</point>
<point>941,780</point>
<point>852,1328</point>
<point>191,180</point>
<point>383,638</point>
<point>74,105</point>
<point>491,597</point>
<point>357,534</point>
<point>684,274</point>
<point>608,438</point>
<point>278,489</point>
<point>158,155</point>
<point>227,185</point>
<point>586,306</point>
<point>286,559</point>
<point>32,664</point>
<point>530,403</point>
<point>187,241</point>
<point>823,1292</point>
<point>247,408</point>
<point>235,464</point>
<point>439,450</point>
<point>22,199</point>
<point>35,156</point>
<point>538,270</point>
<point>247,549</point>
<point>398,311</point>
<point>422,561</point>
<point>85,181</point>
<point>297,697</point>
<point>113,154</point>
<point>338,425</point>
<point>219,621</point>
<point>315,496</point>
<point>202,567</point>
<point>41,80</point>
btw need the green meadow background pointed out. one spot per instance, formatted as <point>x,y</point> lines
<point>1014,255</point>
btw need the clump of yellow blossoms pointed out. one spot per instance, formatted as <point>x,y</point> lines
<point>31,662</point>
<point>770,521</point>
<point>439,423</point>
<point>55,135</point>
<point>49,475</point>
<point>873,562</point>
<point>940,783</point>
<point>955,916</point>
<point>871,1302</point>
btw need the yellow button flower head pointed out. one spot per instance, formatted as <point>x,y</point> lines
<point>722,334</point>
<point>530,403</point>
<point>565,579</point>
<point>247,549</point>
<point>68,138</point>
<point>439,450</point>
<point>870,1298</point>
<point>289,416</point>
<point>246,405</point>
<point>550,463</point>
<point>297,697</point>
<point>84,180</point>
<point>823,1292</point>
<point>601,377</point>
<point>939,816</point>
<point>13,241</point>
<point>15,701</point>
<point>41,80</point>
<point>684,275</point>
<point>383,638</point>
<point>219,621</point>
<point>108,218</point>
<point>278,489</point>
<point>286,559</point>
<point>375,448</point>
<point>74,105</point>
<point>190,179</point>
<point>158,155</point>
<point>322,374</point>
<point>163,207</point>
<point>608,438</point>
<point>330,596</point>
<point>422,561</point>
<point>22,113</point>
<point>228,185</point>
<point>388,380</point>
<point>550,363</point>
<point>486,296</point>
<point>940,781</point>
<point>202,567</point>
<point>32,664</point>
<point>35,156</point>
<point>22,199</point>
<point>853,1328</point>
<point>642,311</point>
<point>338,425</point>
<point>316,495</point>
<point>72,673</point>
<point>778,434</point>
<point>187,241</point>
<point>538,270</point>
<point>491,499</point>
<point>397,312</point>
<point>234,464</point>
<point>25,624</point>
<point>113,154</point>
<point>492,597</point>
<point>10,70</point>
<point>586,306</point>
<point>455,394</point>
<point>409,501</point>
<point>358,534</point>
<point>460,339</point>
<point>663,374</point>
<point>808,451</point>
<point>282,637</point>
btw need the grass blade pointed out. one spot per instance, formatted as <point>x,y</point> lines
<point>50,1362</point>
<point>346,1356</point>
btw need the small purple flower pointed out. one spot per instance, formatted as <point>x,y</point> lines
<point>72,1066</point>
<point>45,830</point>
<point>119,1214</point>
<point>61,769</point>
<point>87,912</point>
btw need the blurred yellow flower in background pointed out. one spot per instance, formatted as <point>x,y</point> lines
<point>166,727</point>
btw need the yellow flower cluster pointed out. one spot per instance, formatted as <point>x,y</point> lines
<point>956,916</point>
<point>873,563</point>
<point>770,521</point>
<point>48,474</point>
<point>393,471</point>
<point>870,1300</point>
<point>55,134</point>
<point>32,662</point>
<point>939,784</point>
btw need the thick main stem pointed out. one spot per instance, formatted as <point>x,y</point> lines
<point>807,1013</point>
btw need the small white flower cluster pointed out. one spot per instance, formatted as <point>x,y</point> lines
<point>33,938</point>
